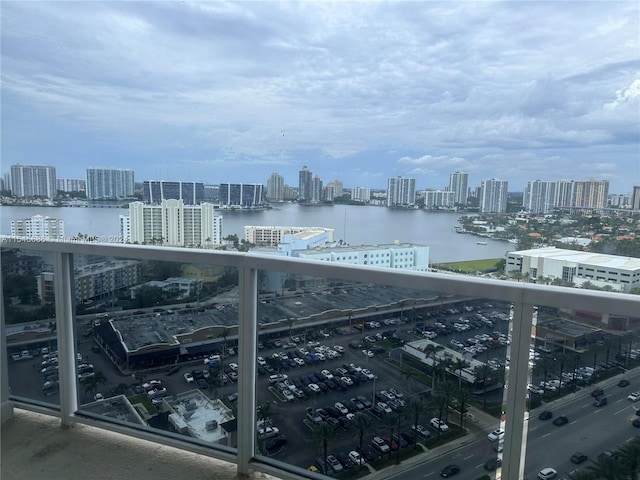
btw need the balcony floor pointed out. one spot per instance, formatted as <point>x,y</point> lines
<point>35,446</point>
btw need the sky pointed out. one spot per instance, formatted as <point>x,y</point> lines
<point>356,91</point>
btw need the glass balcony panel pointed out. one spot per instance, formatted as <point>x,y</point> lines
<point>30,325</point>
<point>157,345</point>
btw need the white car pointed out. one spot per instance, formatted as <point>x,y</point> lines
<point>343,410</point>
<point>367,353</point>
<point>421,430</point>
<point>439,424</point>
<point>496,435</point>
<point>634,397</point>
<point>327,374</point>
<point>355,457</point>
<point>314,388</point>
<point>233,366</point>
<point>368,374</point>
<point>386,408</point>
<point>299,361</point>
<point>547,473</point>
<point>188,377</point>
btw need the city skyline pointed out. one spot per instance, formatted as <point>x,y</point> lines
<point>359,92</point>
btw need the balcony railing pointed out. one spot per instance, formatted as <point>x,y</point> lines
<point>523,296</point>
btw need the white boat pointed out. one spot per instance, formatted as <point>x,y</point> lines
<point>482,243</point>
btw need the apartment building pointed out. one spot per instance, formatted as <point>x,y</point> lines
<point>109,183</point>
<point>191,193</point>
<point>271,236</point>
<point>401,192</point>
<point>33,181</point>
<point>38,226</point>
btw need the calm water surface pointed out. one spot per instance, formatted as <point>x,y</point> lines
<point>356,225</point>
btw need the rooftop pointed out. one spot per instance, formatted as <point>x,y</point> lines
<point>611,261</point>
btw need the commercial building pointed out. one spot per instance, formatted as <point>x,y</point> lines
<point>618,273</point>
<point>401,192</point>
<point>38,226</point>
<point>458,184</point>
<point>109,183</point>
<point>493,196</point>
<point>271,236</point>
<point>172,223</point>
<point>241,195</point>
<point>396,256</point>
<point>178,287</point>
<point>33,181</point>
<point>191,193</point>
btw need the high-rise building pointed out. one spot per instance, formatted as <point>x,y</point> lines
<point>493,196</point>
<point>439,199</point>
<point>305,187</point>
<point>33,181</point>
<point>401,192</point>
<point>590,194</point>
<point>317,193</point>
<point>211,193</point>
<point>172,223</point>
<point>241,195</point>
<point>70,185</point>
<point>539,196</point>
<point>191,193</point>
<point>275,188</point>
<point>109,183</point>
<point>562,193</point>
<point>38,227</point>
<point>361,194</point>
<point>458,184</point>
<point>635,198</point>
<point>338,187</point>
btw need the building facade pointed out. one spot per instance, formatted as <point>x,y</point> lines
<point>172,223</point>
<point>305,178</point>
<point>401,192</point>
<point>434,199</point>
<point>70,185</point>
<point>590,194</point>
<point>38,226</point>
<point>271,236</point>
<point>275,188</point>
<point>539,197</point>
<point>635,198</point>
<point>493,196</point>
<point>191,193</point>
<point>109,183</point>
<point>361,194</point>
<point>317,191</point>
<point>33,181</point>
<point>100,280</point>
<point>241,195</point>
<point>619,273</point>
<point>458,184</point>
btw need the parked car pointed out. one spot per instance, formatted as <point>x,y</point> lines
<point>380,445</point>
<point>355,457</point>
<point>439,424</point>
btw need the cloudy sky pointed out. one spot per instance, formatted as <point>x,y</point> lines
<point>231,92</point>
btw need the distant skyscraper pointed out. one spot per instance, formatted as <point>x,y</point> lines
<point>562,194</point>
<point>635,198</point>
<point>539,196</point>
<point>70,185</point>
<point>153,192</point>
<point>109,183</point>
<point>401,192</point>
<point>241,195</point>
<point>275,188</point>
<point>361,194</point>
<point>305,180</point>
<point>458,184</point>
<point>590,194</point>
<point>493,196</point>
<point>317,193</point>
<point>338,187</point>
<point>33,181</point>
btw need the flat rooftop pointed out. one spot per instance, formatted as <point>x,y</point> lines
<point>590,258</point>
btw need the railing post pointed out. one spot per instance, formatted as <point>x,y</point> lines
<point>247,341</point>
<point>66,341</point>
<point>6,406</point>
<point>516,396</point>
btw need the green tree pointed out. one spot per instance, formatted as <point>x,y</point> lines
<point>416,408</point>
<point>362,422</point>
<point>458,365</point>
<point>323,433</point>
<point>630,456</point>
<point>608,468</point>
<point>546,365</point>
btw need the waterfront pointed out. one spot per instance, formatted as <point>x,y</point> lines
<point>357,225</point>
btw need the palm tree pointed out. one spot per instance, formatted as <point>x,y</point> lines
<point>264,410</point>
<point>429,350</point>
<point>545,365</point>
<point>561,360</point>
<point>290,322</point>
<point>483,371</point>
<point>608,468</point>
<point>362,422</point>
<point>408,374</point>
<point>415,408</point>
<point>322,434</point>
<point>580,475</point>
<point>214,383</point>
<point>463,398</point>
<point>458,365</point>
<point>630,456</point>
<point>91,383</point>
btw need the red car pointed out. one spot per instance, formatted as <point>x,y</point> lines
<point>597,392</point>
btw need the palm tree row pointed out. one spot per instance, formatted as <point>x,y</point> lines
<point>623,465</point>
